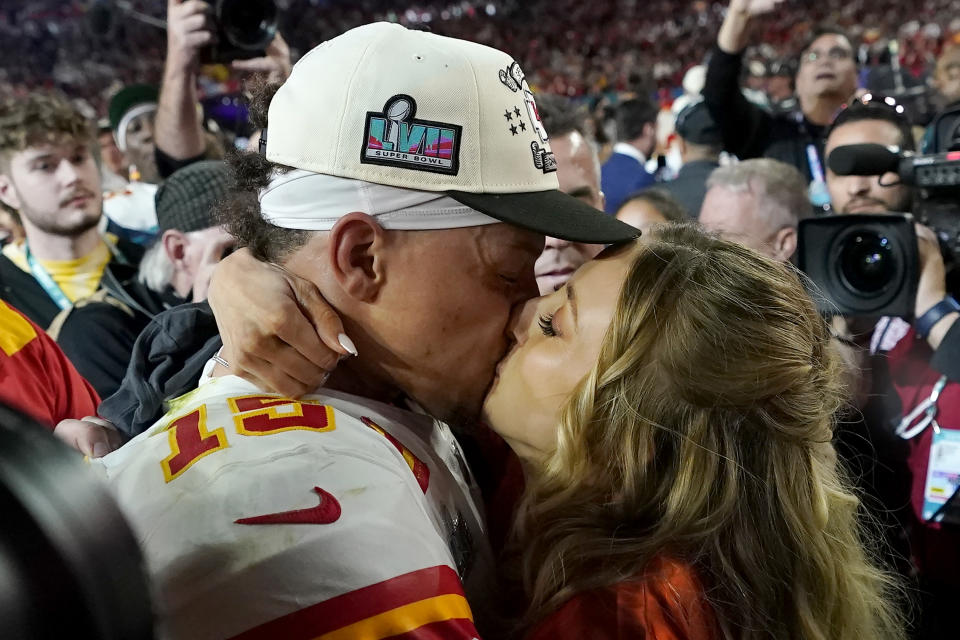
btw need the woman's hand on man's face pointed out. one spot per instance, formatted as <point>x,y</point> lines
<point>279,331</point>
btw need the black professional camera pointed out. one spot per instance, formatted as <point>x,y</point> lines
<point>70,566</point>
<point>242,29</point>
<point>935,179</point>
<point>861,265</point>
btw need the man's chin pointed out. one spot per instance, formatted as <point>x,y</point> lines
<point>71,227</point>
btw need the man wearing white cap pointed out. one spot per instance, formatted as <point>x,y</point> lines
<point>393,158</point>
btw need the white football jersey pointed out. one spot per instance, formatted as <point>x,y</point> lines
<point>329,517</point>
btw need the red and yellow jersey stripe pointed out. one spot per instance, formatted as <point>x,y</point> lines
<point>420,605</point>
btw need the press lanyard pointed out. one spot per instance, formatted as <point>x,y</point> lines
<point>927,408</point>
<point>818,193</point>
<point>816,167</point>
<point>47,282</point>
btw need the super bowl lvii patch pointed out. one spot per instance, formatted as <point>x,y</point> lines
<point>396,138</point>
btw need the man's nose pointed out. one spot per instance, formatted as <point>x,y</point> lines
<point>858,185</point>
<point>556,243</point>
<point>67,172</point>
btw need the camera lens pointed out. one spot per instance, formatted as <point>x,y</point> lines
<point>250,24</point>
<point>867,262</point>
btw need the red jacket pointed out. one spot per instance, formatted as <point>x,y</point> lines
<point>35,377</point>
<point>666,603</point>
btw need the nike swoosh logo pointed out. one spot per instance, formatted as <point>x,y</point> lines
<point>324,513</point>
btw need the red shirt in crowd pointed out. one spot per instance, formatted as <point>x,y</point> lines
<point>35,377</point>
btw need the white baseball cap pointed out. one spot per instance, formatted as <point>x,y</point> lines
<point>410,109</point>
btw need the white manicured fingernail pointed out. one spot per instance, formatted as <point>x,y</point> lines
<point>347,343</point>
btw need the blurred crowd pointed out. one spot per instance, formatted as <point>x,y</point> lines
<point>89,49</point>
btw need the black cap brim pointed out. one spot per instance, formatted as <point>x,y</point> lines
<point>552,213</point>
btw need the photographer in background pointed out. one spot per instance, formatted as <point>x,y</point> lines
<point>826,78</point>
<point>180,137</point>
<point>911,363</point>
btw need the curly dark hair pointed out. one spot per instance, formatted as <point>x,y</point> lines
<point>239,213</point>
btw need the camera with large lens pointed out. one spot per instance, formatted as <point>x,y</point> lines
<point>242,29</point>
<point>861,265</point>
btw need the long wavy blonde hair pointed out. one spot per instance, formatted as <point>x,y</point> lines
<point>704,434</point>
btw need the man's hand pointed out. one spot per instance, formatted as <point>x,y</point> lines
<point>92,436</point>
<point>276,64</point>
<point>188,31</point>
<point>280,332</point>
<point>733,34</point>
<point>932,285</point>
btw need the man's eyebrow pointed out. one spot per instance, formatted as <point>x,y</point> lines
<point>581,192</point>
<point>572,298</point>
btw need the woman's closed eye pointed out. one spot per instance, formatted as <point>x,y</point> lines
<point>547,326</point>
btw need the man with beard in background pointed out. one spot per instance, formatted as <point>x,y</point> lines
<point>49,176</point>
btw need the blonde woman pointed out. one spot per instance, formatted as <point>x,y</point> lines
<point>673,406</point>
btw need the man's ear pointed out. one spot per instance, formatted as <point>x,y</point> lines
<point>175,246</point>
<point>357,255</point>
<point>8,192</point>
<point>785,243</point>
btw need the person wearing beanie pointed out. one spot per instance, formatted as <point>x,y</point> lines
<point>98,333</point>
<point>700,146</point>
<point>132,112</point>
<point>129,210</point>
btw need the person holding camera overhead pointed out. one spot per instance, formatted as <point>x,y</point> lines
<point>180,137</point>
<point>826,78</point>
<point>915,363</point>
